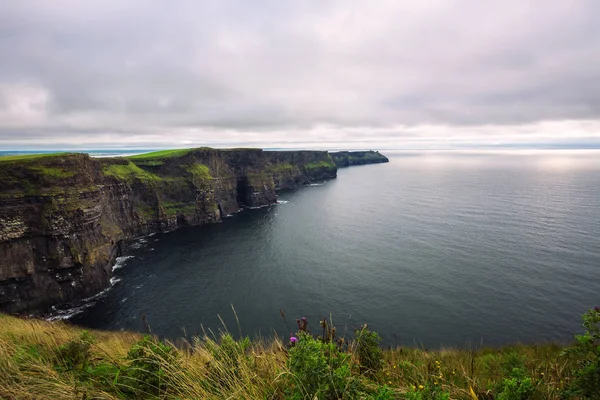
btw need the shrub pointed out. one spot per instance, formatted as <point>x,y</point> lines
<point>384,393</point>
<point>368,351</point>
<point>147,372</point>
<point>587,352</point>
<point>427,392</point>
<point>517,387</point>
<point>320,370</point>
<point>75,354</point>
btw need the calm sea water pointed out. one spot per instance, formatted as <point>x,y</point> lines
<point>431,249</point>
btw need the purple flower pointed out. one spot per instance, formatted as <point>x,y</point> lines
<point>293,339</point>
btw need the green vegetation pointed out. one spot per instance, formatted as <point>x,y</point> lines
<point>53,172</point>
<point>200,171</point>
<point>161,154</point>
<point>45,360</point>
<point>282,168</point>
<point>150,163</point>
<point>129,172</point>
<point>319,165</point>
<point>178,208</point>
<point>25,157</point>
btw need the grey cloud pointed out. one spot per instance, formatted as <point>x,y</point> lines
<point>270,67</point>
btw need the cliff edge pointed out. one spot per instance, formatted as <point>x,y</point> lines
<point>349,158</point>
<point>63,217</point>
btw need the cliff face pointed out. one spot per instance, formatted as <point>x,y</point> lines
<point>348,158</point>
<point>63,217</point>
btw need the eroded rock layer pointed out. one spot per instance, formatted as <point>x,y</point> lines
<point>63,217</point>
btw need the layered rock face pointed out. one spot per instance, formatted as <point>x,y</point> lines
<point>348,158</point>
<point>63,217</point>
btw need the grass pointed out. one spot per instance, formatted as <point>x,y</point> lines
<point>129,172</point>
<point>53,172</point>
<point>150,163</point>
<point>45,360</point>
<point>200,171</point>
<point>282,168</point>
<point>26,157</point>
<point>320,165</point>
<point>161,154</point>
<point>172,209</point>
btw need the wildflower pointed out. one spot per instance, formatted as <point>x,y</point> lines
<point>394,366</point>
<point>389,382</point>
<point>420,386</point>
<point>414,387</point>
<point>542,374</point>
<point>293,339</point>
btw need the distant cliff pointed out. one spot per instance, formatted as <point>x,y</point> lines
<point>348,158</point>
<point>63,217</point>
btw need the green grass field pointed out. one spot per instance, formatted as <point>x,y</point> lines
<point>43,360</point>
<point>161,154</point>
<point>26,157</point>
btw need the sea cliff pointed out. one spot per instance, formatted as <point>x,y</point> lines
<point>349,158</point>
<point>63,217</point>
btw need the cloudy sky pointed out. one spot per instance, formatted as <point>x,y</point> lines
<point>299,74</point>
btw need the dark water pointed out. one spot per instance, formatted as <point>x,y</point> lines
<point>432,249</point>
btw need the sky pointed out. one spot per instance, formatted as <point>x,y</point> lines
<point>323,74</point>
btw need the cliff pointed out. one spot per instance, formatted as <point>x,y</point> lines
<point>348,158</point>
<point>63,217</point>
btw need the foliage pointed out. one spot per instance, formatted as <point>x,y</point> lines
<point>427,392</point>
<point>587,352</point>
<point>320,370</point>
<point>368,351</point>
<point>42,360</point>
<point>518,386</point>
<point>75,354</point>
<point>146,372</point>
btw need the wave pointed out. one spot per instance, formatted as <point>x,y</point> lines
<point>263,206</point>
<point>120,262</point>
<point>114,280</point>
<point>58,314</point>
<point>139,243</point>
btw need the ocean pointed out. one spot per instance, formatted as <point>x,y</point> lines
<point>432,249</point>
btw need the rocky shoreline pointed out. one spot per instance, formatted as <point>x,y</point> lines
<point>63,217</point>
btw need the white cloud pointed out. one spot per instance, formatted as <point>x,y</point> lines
<point>306,74</point>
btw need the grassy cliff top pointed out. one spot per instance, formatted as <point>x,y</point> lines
<point>33,157</point>
<point>174,153</point>
<point>44,360</point>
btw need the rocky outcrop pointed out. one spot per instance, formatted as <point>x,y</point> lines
<point>348,158</point>
<point>63,217</point>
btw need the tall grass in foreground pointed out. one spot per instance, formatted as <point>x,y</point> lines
<point>42,360</point>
